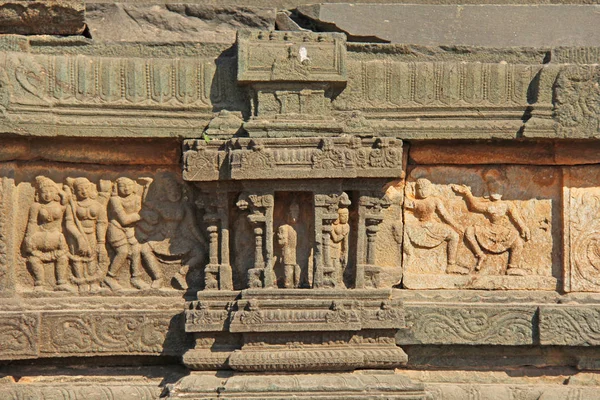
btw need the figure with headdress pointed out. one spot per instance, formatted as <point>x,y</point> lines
<point>87,223</point>
<point>427,232</point>
<point>44,241</point>
<point>504,229</point>
<point>124,214</point>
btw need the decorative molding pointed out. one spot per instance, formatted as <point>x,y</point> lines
<point>468,324</point>
<point>292,158</point>
<point>569,325</point>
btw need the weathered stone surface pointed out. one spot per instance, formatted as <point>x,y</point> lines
<point>336,213</point>
<point>326,386</point>
<point>473,25</point>
<point>174,22</point>
<point>580,227</point>
<point>55,17</point>
<point>508,325</point>
<point>569,325</point>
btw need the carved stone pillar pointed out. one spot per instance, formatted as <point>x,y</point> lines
<point>225,273</point>
<point>371,206</point>
<point>217,273</point>
<point>260,216</point>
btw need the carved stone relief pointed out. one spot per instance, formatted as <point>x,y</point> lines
<point>482,227</point>
<point>582,229</point>
<point>577,101</point>
<point>294,219</point>
<point>132,234</point>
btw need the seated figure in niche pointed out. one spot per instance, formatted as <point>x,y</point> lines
<point>287,238</point>
<point>86,223</point>
<point>427,232</point>
<point>124,214</point>
<point>44,241</point>
<point>168,230</point>
<point>503,231</point>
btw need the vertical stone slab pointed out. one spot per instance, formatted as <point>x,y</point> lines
<point>581,194</point>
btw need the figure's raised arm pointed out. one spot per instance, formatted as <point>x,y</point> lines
<point>473,204</point>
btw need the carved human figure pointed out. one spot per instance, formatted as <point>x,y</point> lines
<point>287,238</point>
<point>86,223</point>
<point>498,234</point>
<point>44,240</point>
<point>340,230</point>
<point>168,231</point>
<point>427,232</point>
<point>123,214</point>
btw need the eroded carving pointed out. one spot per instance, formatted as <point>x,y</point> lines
<point>124,214</point>
<point>496,236</point>
<point>168,231</point>
<point>497,231</point>
<point>87,223</point>
<point>44,241</point>
<point>287,238</point>
<point>338,253</point>
<point>428,233</point>
<point>577,100</point>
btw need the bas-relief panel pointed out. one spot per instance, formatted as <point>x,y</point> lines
<point>492,227</point>
<point>102,232</point>
<point>582,228</point>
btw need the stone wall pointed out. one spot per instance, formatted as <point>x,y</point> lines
<point>244,201</point>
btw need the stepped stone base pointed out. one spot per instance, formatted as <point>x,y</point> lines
<point>363,385</point>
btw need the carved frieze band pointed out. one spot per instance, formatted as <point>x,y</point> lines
<point>468,324</point>
<point>279,316</point>
<point>292,158</point>
<point>136,332</point>
<point>390,84</point>
<point>80,391</point>
<point>570,325</point>
<point>103,81</point>
<point>61,334</point>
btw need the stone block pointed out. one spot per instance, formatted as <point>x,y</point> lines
<point>490,25</point>
<point>291,56</point>
<point>54,17</point>
<point>569,325</point>
<point>456,324</point>
<point>581,228</point>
